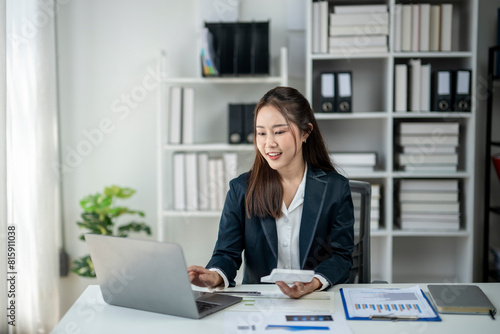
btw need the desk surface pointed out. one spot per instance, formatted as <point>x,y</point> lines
<point>90,314</point>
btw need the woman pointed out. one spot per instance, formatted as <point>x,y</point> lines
<point>291,210</point>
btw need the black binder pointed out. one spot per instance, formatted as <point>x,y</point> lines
<point>242,51</point>
<point>248,123</point>
<point>328,101</point>
<point>441,91</point>
<point>240,48</point>
<point>344,92</point>
<point>461,90</point>
<point>260,48</point>
<point>236,118</point>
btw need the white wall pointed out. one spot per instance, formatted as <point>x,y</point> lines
<point>106,50</point>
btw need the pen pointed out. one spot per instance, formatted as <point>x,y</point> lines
<point>393,318</point>
<point>298,328</point>
<point>255,293</point>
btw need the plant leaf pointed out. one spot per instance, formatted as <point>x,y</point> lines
<point>88,203</point>
<point>118,211</point>
<point>112,191</point>
<point>125,193</point>
<point>84,267</point>
<point>133,227</point>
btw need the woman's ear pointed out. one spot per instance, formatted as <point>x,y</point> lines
<point>307,132</point>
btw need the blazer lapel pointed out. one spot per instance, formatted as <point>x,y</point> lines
<point>314,197</point>
<point>269,228</point>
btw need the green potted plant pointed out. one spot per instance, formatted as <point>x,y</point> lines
<point>99,216</point>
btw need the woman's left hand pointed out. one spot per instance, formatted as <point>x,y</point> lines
<point>299,289</point>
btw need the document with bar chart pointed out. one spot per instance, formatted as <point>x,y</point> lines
<point>387,304</point>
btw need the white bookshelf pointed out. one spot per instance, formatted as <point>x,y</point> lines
<point>401,256</point>
<point>212,96</point>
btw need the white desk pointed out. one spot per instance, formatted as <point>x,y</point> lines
<point>90,314</point>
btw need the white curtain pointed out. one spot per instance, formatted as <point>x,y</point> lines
<point>3,170</point>
<point>33,198</point>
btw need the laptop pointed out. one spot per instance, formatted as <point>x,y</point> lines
<point>150,276</point>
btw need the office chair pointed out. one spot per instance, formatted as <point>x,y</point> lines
<point>361,198</point>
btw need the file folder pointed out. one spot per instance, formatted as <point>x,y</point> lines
<point>462,97</point>
<point>236,116</point>
<point>441,91</point>
<point>259,53</point>
<point>239,48</point>
<point>344,92</point>
<point>328,101</point>
<point>243,40</point>
<point>248,123</point>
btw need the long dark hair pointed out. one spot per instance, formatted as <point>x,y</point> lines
<point>264,195</point>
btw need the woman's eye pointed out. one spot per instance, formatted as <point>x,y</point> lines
<point>260,133</point>
<point>279,132</point>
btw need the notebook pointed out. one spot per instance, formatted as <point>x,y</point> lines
<point>149,276</point>
<point>457,298</point>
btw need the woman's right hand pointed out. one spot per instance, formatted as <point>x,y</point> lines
<point>203,277</point>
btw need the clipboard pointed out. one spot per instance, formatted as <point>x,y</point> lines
<point>395,317</point>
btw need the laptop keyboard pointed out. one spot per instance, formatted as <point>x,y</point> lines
<point>205,306</point>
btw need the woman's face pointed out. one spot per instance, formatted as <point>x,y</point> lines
<point>279,143</point>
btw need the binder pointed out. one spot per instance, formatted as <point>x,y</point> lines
<point>415,22</point>
<point>446,27</point>
<point>401,87</point>
<point>243,39</point>
<point>191,180</point>
<point>225,48</point>
<point>424,33</point>
<point>398,8</point>
<point>328,101</point>
<point>179,189</point>
<point>344,92</point>
<point>461,93</point>
<point>316,27</point>
<point>435,28</point>
<point>259,53</point>
<point>203,179</point>
<point>323,26</point>
<point>425,87</point>
<point>239,47</point>
<point>415,83</point>
<point>406,27</point>
<point>236,131</point>
<point>188,115</point>
<point>248,123</point>
<point>175,117</point>
<point>441,91</point>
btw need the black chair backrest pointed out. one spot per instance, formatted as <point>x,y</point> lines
<point>361,198</point>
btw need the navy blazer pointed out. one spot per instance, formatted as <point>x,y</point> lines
<point>326,232</point>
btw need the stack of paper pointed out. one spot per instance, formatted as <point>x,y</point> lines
<point>423,27</point>
<point>201,182</point>
<point>358,29</point>
<point>351,163</point>
<point>428,146</point>
<point>429,204</point>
